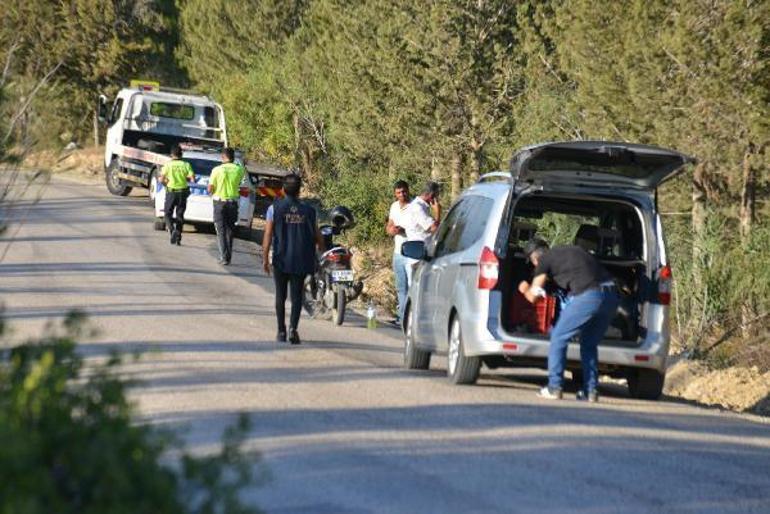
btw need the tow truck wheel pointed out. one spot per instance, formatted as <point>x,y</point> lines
<point>159,225</point>
<point>115,184</point>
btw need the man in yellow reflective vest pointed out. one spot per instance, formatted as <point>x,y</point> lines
<point>224,186</point>
<point>176,175</point>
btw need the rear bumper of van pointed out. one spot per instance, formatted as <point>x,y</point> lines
<point>481,339</point>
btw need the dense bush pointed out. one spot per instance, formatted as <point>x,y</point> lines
<point>69,444</point>
<point>722,292</point>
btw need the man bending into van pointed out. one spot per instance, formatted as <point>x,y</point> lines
<point>588,311</point>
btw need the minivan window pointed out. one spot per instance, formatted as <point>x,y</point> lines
<point>470,217</point>
<point>475,221</point>
<point>443,245</point>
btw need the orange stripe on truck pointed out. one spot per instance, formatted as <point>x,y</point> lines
<point>271,192</point>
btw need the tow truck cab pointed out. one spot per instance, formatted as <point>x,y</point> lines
<point>144,123</point>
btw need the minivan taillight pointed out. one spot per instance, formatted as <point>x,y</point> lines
<point>665,281</point>
<point>489,269</point>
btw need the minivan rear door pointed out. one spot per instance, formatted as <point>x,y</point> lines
<point>597,164</point>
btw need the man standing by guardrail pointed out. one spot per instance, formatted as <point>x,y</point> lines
<point>176,175</point>
<point>224,186</point>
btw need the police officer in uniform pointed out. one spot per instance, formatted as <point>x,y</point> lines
<point>292,231</point>
<point>224,186</point>
<point>175,175</point>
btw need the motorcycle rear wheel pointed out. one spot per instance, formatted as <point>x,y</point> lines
<point>339,307</point>
<point>312,304</point>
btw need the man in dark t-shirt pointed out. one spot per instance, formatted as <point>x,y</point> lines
<point>292,231</point>
<point>589,309</point>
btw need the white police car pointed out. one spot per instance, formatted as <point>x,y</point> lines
<point>200,206</point>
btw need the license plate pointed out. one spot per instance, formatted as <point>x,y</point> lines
<point>342,275</point>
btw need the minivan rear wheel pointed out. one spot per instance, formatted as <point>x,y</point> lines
<point>461,369</point>
<point>645,384</point>
<point>414,358</point>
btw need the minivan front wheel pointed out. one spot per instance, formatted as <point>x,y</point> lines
<point>461,369</point>
<point>645,384</point>
<point>414,358</point>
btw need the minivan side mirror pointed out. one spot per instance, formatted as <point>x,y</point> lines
<point>102,109</point>
<point>414,250</point>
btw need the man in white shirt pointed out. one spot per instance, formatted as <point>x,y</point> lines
<point>421,219</point>
<point>395,228</point>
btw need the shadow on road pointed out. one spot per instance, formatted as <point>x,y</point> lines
<point>162,310</point>
<point>548,457</point>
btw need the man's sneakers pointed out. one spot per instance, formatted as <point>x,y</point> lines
<point>293,336</point>
<point>176,237</point>
<point>590,396</point>
<point>550,394</point>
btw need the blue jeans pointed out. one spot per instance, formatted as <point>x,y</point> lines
<point>402,283</point>
<point>588,315</point>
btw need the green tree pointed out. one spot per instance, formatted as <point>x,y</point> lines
<point>60,55</point>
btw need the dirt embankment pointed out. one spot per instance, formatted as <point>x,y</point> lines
<point>79,161</point>
<point>742,389</point>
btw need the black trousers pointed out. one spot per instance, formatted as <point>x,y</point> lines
<point>294,283</point>
<point>175,201</point>
<point>225,217</point>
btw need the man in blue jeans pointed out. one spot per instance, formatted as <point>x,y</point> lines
<point>395,228</point>
<point>591,305</point>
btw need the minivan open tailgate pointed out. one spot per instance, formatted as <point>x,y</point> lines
<point>597,164</point>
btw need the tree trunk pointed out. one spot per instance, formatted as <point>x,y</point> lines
<point>435,170</point>
<point>96,127</point>
<point>748,196</point>
<point>476,156</point>
<point>699,199</point>
<point>297,134</point>
<point>746,217</point>
<point>457,174</point>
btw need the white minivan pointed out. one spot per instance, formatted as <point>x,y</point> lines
<point>597,194</point>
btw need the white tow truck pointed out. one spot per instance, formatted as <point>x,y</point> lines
<point>145,122</point>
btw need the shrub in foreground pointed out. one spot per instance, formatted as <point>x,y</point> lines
<point>69,444</point>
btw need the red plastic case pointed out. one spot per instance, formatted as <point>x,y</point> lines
<point>538,317</point>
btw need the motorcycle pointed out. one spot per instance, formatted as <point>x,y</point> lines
<point>333,284</point>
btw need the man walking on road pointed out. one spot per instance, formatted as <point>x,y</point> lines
<point>395,228</point>
<point>175,175</point>
<point>292,231</point>
<point>224,185</point>
<point>421,220</point>
<point>588,311</point>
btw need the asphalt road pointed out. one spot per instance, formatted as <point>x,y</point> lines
<point>341,428</point>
